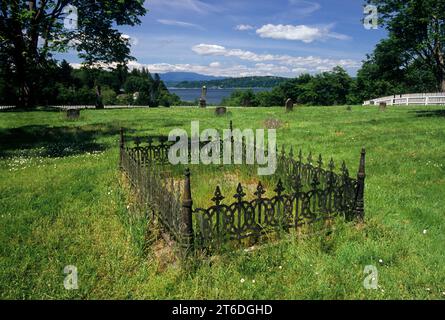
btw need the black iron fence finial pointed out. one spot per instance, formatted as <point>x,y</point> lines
<point>360,197</point>
<point>187,204</point>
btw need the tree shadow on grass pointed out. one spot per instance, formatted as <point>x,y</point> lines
<point>430,113</point>
<point>46,141</point>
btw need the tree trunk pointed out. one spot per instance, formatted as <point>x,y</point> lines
<point>25,98</point>
<point>99,103</point>
<point>441,71</point>
<point>440,74</point>
<point>440,61</point>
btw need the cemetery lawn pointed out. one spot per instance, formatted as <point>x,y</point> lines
<point>62,202</point>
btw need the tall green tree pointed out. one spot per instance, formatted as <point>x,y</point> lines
<point>30,30</point>
<point>418,29</point>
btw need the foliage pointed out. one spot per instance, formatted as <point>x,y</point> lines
<point>64,85</point>
<point>244,82</point>
<point>243,98</point>
<point>417,33</point>
<point>327,88</point>
<point>70,208</point>
<point>31,30</point>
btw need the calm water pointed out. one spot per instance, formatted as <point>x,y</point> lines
<point>214,96</point>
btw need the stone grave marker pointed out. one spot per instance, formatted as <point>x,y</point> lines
<point>219,111</point>
<point>73,114</point>
<point>202,100</point>
<point>289,105</point>
<point>382,106</point>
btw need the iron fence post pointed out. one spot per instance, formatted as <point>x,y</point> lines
<point>187,222</point>
<point>121,147</point>
<point>232,140</point>
<point>360,196</point>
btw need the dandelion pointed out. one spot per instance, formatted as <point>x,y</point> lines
<point>253,281</point>
<point>425,231</point>
<point>381,261</point>
<point>242,280</point>
<point>128,207</point>
<point>280,267</point>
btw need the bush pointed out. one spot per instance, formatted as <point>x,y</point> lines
<point>109,97</point>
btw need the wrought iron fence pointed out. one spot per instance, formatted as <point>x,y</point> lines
<point>313,194</point>
<point>305,194</point>
<point>156,190</point>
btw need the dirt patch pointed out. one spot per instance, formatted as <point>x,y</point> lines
<point>249,186</point>
<point>273,123</point>
<point>164,253</point>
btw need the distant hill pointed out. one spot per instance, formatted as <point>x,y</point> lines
<point>177,77</point>
<point>246,82</point>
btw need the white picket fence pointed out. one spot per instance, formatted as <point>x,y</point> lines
<point>94,107</point>
<point>412,99</point>
<point>81,107</point>
<point>6,107</point>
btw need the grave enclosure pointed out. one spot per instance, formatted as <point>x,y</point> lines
<point>306,193</point>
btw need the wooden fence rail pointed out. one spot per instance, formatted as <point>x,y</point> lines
<point>411,99</point>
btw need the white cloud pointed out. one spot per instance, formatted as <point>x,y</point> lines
<point>258,64</point>
<point>303,7</point>
<point>184,5</point>
<point>179,23</point>
<point>303,33</point>
<point>244,27</point>
<point>133,40</point>
<point>309,63</point>
<point>218,70</point>
<point>217,50</point>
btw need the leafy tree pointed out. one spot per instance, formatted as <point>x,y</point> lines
<point>31,30</point>
<point>244,82</point>
<point>417,28</point>
<point>328,88</point>
<point>270,98</point>
<point>243,98</point>
<point>390,70</point>
<point>109,96</point>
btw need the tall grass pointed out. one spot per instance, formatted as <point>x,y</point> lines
<point>63,202</point>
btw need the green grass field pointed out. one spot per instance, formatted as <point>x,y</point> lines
<point>62,202</point>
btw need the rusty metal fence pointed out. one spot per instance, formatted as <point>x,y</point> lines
<point>306,193</point>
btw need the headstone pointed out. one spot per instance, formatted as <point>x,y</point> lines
<point>73,114</point>
<point>289,105</point>
<point>202,100</point>
<point>382,106</point>
<point>219,111</point>
<point>202,103</point>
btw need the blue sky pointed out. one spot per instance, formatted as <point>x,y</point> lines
<point>251,37</point>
